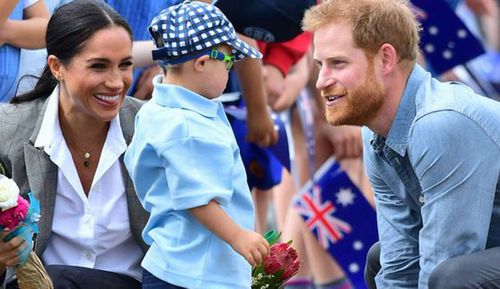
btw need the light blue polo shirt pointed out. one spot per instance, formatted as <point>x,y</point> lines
<point>183,155</point>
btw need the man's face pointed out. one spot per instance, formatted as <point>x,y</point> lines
<point>347,79</point>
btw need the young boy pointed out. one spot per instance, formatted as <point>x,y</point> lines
<point>184,160</point>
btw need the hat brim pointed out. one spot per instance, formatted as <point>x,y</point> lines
<point>241,50</point>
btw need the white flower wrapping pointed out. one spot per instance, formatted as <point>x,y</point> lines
<point>9,192</point>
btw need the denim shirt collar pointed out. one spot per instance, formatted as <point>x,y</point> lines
<point>397,138</point>
<point>179,97</point>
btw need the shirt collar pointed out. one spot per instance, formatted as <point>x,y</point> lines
<point>50,132</point>
<point>397,138</point>
<point>179,97</point>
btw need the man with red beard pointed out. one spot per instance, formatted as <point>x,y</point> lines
<point>431,149</point>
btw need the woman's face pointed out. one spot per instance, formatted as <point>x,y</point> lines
<point>95,81</point>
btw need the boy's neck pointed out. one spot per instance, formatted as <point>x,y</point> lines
<point>186,80</point>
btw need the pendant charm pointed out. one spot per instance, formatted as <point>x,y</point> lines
<point>86,161</point>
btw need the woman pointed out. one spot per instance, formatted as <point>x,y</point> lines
<point>64,141</point>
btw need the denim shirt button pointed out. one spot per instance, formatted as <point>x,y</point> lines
<point>421,199</point>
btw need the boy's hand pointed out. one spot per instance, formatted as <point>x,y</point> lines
<point>252,246</point>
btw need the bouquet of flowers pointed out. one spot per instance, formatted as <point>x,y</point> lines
<point>278,266</point>
<point>20,217</point>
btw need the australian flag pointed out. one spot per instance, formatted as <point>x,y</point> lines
<point>445,41</point>
<point>340,217</point>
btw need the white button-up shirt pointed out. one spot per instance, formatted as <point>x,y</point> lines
<point>93,231</point>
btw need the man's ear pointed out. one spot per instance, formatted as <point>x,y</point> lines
<point>199,63</point>
<point>55,66</point>
<point>388,57</point>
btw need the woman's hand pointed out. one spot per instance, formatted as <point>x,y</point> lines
<point>10,250</point>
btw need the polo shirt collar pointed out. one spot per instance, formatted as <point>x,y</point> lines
<point>179,97</point>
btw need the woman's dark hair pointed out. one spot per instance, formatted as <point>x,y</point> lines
<point>69,28</point>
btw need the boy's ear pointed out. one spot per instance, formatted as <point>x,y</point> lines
<point>199,63</point>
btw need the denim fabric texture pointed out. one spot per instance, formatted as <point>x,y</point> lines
<point>435,178</point>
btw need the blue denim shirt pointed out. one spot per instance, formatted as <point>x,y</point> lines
<point>435,179</point>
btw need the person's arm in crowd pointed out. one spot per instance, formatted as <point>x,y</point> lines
<point>488,13</point>
<point>141,53</point>
<point>260,124</point>
<point>278,60</point>
<point>6,7</point>
<point>295,81</point>
<point>481,7</point>
<point>28,33</point>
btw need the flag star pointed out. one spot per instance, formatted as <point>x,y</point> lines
<point>353,268</point>
<point>345,197</point>
<point>357,245</point>
<point>433,30</point>
<point>462,33</point>
<point>429,48</point>
<point>447,54</point>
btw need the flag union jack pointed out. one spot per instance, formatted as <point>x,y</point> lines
<point>340,217</point>
<point>318,214</point>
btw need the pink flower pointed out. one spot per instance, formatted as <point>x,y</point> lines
<point>282,257</point>
<point>11,218</point>
<point>278,266</point>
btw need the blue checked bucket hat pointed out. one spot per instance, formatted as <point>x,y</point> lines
<point>191,29</point>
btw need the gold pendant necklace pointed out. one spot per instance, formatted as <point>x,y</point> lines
<point>86,162</point>
<point>87,154</point>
